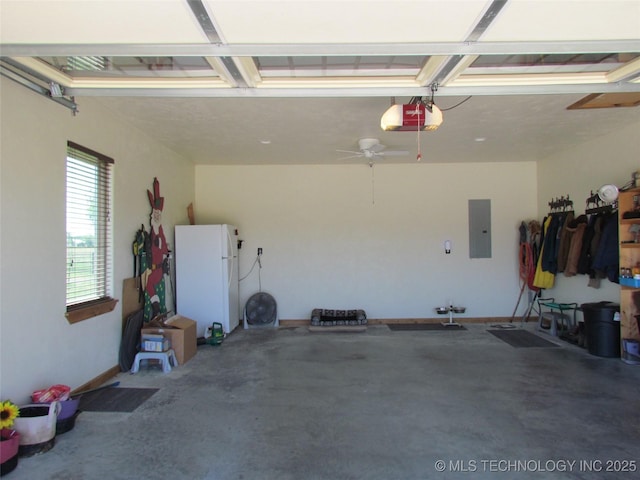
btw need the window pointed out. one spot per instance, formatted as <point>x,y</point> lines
<point>88,233</point>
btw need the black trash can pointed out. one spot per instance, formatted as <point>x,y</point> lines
<point>602,328</point>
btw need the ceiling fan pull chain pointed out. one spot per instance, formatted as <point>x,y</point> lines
<point>373,185</point>
<point>419,156</point>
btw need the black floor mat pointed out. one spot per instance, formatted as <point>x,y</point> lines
<point>115,399</point>
<point>521,338</point>
<point>410,327</point>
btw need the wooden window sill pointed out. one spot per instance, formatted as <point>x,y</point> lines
<point>89,311</point>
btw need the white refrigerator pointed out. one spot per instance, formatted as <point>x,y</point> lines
<point>207,283</point>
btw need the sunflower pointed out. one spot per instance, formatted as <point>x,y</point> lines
<point>8,412</point>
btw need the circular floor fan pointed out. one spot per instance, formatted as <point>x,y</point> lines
<point>260,310</point>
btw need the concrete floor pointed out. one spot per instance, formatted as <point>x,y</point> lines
<point>290,404</point>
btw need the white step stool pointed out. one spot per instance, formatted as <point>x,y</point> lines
<point>167,357</point>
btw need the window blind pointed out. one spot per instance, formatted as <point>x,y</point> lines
<point>88,212</point>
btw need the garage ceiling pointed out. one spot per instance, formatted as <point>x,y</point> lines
<point>263,82</point>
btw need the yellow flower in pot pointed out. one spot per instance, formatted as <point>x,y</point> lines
<point>9,411</point>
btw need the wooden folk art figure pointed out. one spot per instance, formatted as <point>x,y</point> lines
<point>154,298</point>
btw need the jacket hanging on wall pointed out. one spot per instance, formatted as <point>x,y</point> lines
<point>549,253</point>
<point>565,242</point>
<point>543,279</point>
<point>578,226</point>
<point>606,262</point>
<point>590,240</point>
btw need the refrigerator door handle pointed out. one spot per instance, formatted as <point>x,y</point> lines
<point>230,271</point>
<point>230,257</point>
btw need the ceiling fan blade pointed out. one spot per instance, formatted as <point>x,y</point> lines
<point>357,154</point>
<point>394,153</point>
<point>350,156</point>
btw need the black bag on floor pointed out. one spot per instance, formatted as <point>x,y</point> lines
<point>130,340</point>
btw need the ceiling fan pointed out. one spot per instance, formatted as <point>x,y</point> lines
<point>371,149</point>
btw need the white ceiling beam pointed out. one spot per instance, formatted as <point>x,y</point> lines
<point>428,73</point>
<point>220,68</point>
<point>205,21</point>
<point>247,68</point>
<point>279,50</point>
<point>45,70</point>
<point>338,82</point>
<point>628,70</point>
<point>551,79</point>
<point>358,92</point>
<point>458,69</point>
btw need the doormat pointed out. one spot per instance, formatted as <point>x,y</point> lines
<point>115,399</point>
<point>410,327</point>
<point>521,338</point>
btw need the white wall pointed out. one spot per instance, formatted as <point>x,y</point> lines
<point>577,172</point>
<point>327,245</point>
<point>38,346</point>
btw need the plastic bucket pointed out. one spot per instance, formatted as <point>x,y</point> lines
<point>67,407</point>
<point>631,351</point>
<point>37,427</point>
<point>631,346</point>
<point>66,424</point>
<point>9,450</point>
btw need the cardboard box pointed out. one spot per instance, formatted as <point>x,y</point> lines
<point>181,332</point>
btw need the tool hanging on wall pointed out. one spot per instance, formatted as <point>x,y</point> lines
<point>527,259</point>
<point>141,258</point>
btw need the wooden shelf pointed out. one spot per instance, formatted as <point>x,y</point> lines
<point>629,257</point>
